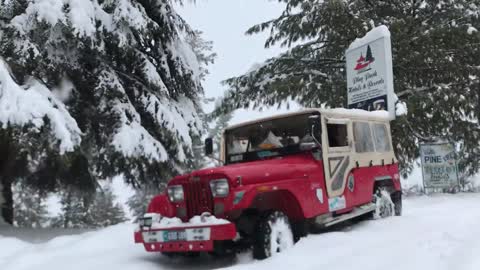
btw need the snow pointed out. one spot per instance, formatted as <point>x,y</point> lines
<point>159,222</point>
<point>30,103</point>
<point>183,51</point>
<point>281,236</point>
<point>435,232</point>
<point>81,15</point>
<point>401,108</point>
<point>357,113</point>
<point>133,140</point>
<point>372,35</point>
<point>471,30</point>
<point>49,11</point>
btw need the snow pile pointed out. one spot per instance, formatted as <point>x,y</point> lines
<point>30,104</point>
<point>159,222</point>
<point>372,35</point>
<point>207,220</point>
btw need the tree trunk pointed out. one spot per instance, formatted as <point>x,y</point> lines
<point>7,203</point>
<point>7,162</point>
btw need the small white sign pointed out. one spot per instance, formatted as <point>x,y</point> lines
<point>439,165</point>
<point>320,195</point>
<point>370,72</point>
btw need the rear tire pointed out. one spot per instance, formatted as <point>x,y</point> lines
<point>384,204</point>
<point>397,201</point>
<point>273,235</point>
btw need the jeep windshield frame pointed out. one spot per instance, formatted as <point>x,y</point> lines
<point>270,138</point>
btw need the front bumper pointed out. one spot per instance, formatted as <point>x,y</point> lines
<point>195,238</point>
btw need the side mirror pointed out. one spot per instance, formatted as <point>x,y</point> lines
<point>208,146</point>
<point>313,123</point>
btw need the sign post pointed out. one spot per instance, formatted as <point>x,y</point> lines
<point>439,165</point>
<point>370,72</point>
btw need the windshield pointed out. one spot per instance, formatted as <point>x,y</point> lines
<point>266,139</point>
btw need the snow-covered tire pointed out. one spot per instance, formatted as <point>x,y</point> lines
<point>397,201</point>
<point>273,235</point>
<point>384,206</point>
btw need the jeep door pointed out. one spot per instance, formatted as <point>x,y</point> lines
<point>337,150</point>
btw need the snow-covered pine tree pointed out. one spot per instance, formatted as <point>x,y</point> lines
<point>104,211</point>
<point>138,203</point>
<point>435,55</point>
<point>94,88</point>
<point>30,207</point>
<point>203,50</point>
<point>216,132</point>
<point>75,205</point>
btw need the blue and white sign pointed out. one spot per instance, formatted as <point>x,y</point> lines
<point>439,165</point>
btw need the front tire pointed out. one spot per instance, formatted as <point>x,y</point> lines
<point>273,235</point>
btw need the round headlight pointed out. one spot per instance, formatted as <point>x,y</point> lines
<point>175,193</point>
<point>219,187</point>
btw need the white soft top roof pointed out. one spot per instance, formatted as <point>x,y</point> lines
<point>333,113</point>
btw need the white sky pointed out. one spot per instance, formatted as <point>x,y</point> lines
<point>225,22</point>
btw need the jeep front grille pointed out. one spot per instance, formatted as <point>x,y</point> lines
<point>198,198</point>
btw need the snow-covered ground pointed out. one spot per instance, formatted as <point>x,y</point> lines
<point>436,232</point>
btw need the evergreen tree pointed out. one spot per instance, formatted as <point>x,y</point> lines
<point>435,61</point>
<point>75,209</point>
<point>88,210</point>
<point>138,203</point>
<point>101,88</point>
<point>220,124</point>
<point>203,51</point>
<point>104,211</point>
<point>369,56</point>
<point>30,207</point>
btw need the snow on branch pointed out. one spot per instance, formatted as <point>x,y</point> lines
<point>30,104</point>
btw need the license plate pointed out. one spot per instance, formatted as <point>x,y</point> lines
<point>192,234</point>
<point>169,236</point>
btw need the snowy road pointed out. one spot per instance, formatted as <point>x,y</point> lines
<point>439,232</point>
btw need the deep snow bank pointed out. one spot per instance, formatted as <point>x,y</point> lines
<point>437,232</point>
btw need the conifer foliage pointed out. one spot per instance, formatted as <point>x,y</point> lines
<point>88,210</point>
<point>30,207</point>
<point>95,88</point>
<point>436,60</point>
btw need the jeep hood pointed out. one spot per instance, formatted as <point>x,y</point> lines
<point>275,169</point>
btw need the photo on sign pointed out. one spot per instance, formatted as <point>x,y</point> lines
<point>363,63</point>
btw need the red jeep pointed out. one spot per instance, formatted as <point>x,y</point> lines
<point>282,177</point>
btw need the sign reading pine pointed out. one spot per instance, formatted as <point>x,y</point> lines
<point>439,165</point>
<point>370,72</point>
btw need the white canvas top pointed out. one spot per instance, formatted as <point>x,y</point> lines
<point>336,113</point>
